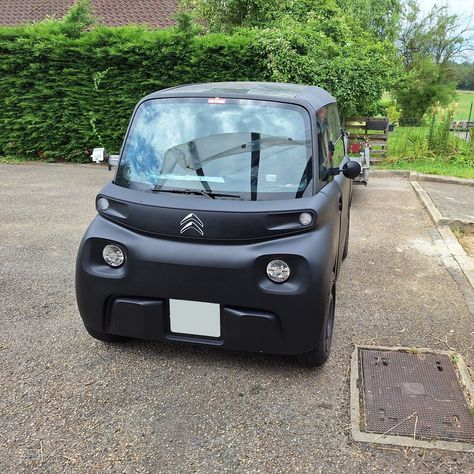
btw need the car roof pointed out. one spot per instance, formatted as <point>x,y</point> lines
<point>314,95</point>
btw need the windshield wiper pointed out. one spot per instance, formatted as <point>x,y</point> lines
<point>195,153</point>
<point>256,146</point>
<point>201,192</point>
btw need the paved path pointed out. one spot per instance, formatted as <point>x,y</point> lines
<point>454,201</point>
<point>72,404</point>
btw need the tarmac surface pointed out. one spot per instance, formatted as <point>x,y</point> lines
<point>69,403</point>
<point>454,201</point>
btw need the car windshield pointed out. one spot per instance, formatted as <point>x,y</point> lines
<point>219,148</point>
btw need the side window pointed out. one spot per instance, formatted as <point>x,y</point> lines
<point>336,140</point>
<point>324,150</point>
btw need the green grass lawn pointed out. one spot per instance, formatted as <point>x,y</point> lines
<point>464,100</point>
<point>404,141</point>
<point>408,150</point>
<point>430,167</point>
<point>408,147</point>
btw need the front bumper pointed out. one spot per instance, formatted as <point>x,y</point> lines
<point>256,314</point>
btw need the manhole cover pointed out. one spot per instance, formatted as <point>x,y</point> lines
<point>413,394</point>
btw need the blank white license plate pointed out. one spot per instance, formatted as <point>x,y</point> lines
<point>195,318</point>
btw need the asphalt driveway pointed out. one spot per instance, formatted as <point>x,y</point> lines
<point>70,403</point>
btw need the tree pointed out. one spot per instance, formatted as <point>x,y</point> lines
<point>439,34</point>
<point>422,87</point>
<point>78,19</point>
<point>464,75</point>
<point>221,16</point>
<point>428,44</point>
<point>311,42</point>
<point>381,17</point>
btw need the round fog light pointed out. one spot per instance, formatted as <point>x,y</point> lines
<point>102,204</point>
<point>113,255</point>
<point>305,218</point>
<point>278,271</point>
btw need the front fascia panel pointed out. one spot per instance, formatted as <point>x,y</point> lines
<point>225,273</point>
<point>215,219</point>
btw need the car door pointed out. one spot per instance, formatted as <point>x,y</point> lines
<point>331,154</point>
<point>328,184</point>
<point>339,158</point>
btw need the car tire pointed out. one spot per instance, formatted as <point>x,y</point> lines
<point>105,337</point>
<point>320,354</point>
<point>346,243</point>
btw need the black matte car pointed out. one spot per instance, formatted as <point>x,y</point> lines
<point>226,222</point>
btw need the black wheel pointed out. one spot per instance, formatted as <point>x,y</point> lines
<point>320,354</point>
<point>105,337</point>
<point>346,243</point>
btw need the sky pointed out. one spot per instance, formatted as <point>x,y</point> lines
<point>456,6</point>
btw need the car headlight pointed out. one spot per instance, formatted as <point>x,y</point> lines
<point>278,271</point>
<point>113,255</point>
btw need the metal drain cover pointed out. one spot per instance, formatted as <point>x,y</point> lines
<point>413,394</point>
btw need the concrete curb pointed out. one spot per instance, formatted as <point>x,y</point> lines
<point>462,258</point>
<point>442,179</point>
<point>387,173</point>
<point>465,262</point>
<point>435,215</point>
<point>415,176</point>
<point>429,205</point>
<point>355,400</point>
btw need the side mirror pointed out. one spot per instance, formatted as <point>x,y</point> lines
<point>351,169</point>
<point>100,155</point>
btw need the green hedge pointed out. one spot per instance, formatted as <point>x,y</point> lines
<point>60,96</point>
<point>63,92</point>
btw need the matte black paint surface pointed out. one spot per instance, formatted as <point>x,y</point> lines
<point>226,265</point>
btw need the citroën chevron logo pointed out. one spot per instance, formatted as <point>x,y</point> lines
<point>192,222</point>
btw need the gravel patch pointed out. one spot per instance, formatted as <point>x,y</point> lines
<point>70,403</point>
